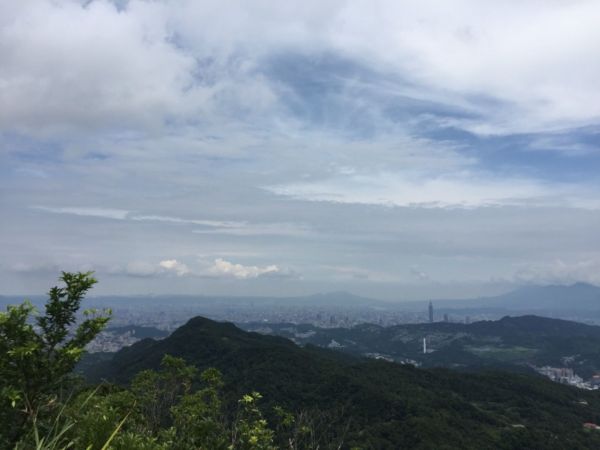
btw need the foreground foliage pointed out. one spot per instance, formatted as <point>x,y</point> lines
<point>171,408</point>
<point>160,410</point>
<point>39,352</point>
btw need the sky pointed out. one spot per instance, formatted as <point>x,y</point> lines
<point>394,149</point>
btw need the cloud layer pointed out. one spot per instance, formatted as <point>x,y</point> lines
<point>365,145</point>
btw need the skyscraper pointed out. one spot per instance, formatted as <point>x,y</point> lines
<point>430,313</point>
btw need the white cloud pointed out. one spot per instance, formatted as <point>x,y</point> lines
<point>239,271</point>
<point>219,268</point>
<point>68,66</point>
<point>521,66</point>
<point>172,265</point>
<point>532,63</point>
<point>517,66</point>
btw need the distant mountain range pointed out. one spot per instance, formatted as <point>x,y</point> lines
<point>576,297</point>
<point>329,299</point>
<point>579,296</point>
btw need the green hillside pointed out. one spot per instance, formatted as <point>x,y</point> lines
<point>512,343</point>
<point>376,404</point>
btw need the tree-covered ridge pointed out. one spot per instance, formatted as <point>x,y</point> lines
<point>376,404</point>
<point>510,343</point>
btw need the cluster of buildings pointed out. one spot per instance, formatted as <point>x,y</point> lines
<point>467,319</point>
<point>566,375</point>
<point>109,341</point>
<point>321,316</point>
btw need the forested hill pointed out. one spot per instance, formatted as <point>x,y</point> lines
<point>514,343</point>
<point>377,404</point>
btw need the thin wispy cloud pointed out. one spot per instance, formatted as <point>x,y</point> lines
<point>212,226</point>
<point>461,190</point>
<point>105,213</point>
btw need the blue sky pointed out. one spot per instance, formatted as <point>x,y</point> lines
<point>400,150</point>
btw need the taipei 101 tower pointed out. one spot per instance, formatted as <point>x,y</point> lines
<point>430,313</point>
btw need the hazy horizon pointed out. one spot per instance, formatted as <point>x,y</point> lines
<point>405,151</point>
<point>329,294</point>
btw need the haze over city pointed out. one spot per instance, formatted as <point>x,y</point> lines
<point>397,150</point>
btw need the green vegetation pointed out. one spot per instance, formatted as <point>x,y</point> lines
<point>38,354</point>
<point>505,354</point>
<point>198,389</point>
<point>171,408</point>
<point>512,343</point>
